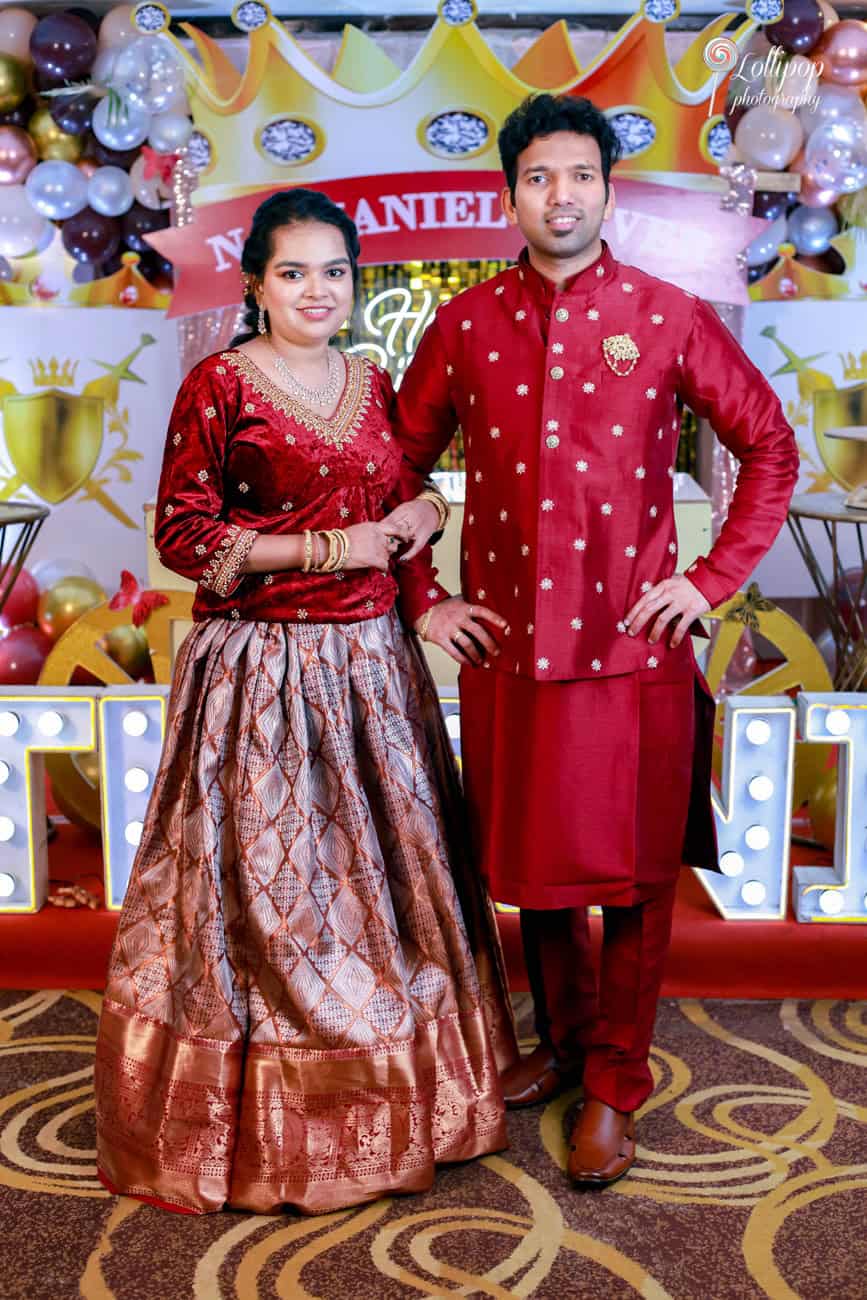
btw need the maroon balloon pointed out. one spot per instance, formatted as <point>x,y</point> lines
<point>732,114</point>
<point>23,651</point>
<point>154,266</point>
<point>799,28</point>
<point>63,48</point>
<point>759,272</point>
<point>770,205</point>
<point>87,16</point>
<point>123,158</point>
<point>90,237</point>
<point>141,221</point>
<point>73,115</point>
<point>20,115</point>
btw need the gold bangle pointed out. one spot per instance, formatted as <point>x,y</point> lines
<point>424,623</point>
<point>439,503</point>
<point>308,551</point>
<point>347,549</point>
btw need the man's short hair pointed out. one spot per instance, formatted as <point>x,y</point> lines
<point>542,115</point>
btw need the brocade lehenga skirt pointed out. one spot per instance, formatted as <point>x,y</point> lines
<point>305,1004</point>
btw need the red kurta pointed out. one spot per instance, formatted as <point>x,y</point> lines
<point>568,401</point>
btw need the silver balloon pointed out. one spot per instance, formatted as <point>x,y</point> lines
<point>832,104</point>
<point>109,191</point>
<point>22,229</point>
<point>836,156</point>
<point>169,132</point>
<point>812,229</point>
<point>56,189</point>
<point>148,73</point>
<point>764,247</point>
<point>121,128</point>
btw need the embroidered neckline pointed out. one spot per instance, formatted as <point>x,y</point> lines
<point>337,429</point>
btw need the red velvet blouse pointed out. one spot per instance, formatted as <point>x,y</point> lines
<point>243,458</point>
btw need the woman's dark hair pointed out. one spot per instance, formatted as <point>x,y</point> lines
<point>542,115</point>
<point>288,208</point>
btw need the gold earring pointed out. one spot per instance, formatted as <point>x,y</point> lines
<point>263,329</point>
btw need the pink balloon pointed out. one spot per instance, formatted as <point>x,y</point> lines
<point>811,194</point>
<point>842,53</point>
<point>117,27</point>
<point>829,14</point>
<point>15,28</point>
<point>18,155</point>
<point>769,137</point>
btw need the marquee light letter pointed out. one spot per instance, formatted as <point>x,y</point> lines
<point>33,723</point>
<point>753,819</point>
<point>131,728</point>
<point>838,893</point>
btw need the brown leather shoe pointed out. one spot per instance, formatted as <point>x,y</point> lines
<point>602,1148</point>
<point>539,1077</point>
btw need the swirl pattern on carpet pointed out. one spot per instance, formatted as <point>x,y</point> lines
<point>751,1182</point>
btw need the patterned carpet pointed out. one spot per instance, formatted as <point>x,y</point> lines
<point>752,1182</point>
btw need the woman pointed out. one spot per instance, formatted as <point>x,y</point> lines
<point>296,1013</point>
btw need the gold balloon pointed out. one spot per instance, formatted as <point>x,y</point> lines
<point>64,603</point>
<point>128,647</point>
<point>14,83</point>
<point>75,786</point>
<point>50,141</point>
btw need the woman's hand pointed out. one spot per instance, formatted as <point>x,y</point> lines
<point>414,523</point>
<point>673,598</point>
<point>459,629</point>
<point>370,547</point>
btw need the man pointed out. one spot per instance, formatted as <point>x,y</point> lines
<point>584,742</point>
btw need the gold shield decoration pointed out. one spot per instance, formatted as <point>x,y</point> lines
<point>53,440</point>
<point>840,426</point>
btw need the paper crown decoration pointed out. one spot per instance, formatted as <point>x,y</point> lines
<point>791,279</point>
<point>284,120</point>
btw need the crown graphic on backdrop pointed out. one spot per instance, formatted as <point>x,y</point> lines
<point>56,374</point>
<point>283,120</point>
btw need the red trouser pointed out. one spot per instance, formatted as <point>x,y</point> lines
<point>614,1027</point>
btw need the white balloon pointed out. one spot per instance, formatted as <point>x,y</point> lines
<point>149,73</point>
<point>56,189</point>
<point>833,104</point>
<point>47,572</point>
<point>169,132</point>
<point>103,67</point>
<point>123,127</point>
<point>835,156</point>
<point>22,229</point>
<point>764,247</point>
<point>110,191</point>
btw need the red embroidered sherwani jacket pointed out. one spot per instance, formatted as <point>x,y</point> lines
<point>568,402</point>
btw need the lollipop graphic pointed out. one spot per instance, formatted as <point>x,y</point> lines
<point>720,55</point>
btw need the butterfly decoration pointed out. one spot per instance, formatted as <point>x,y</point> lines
<point>747,612</point>
<point>143,602</point>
